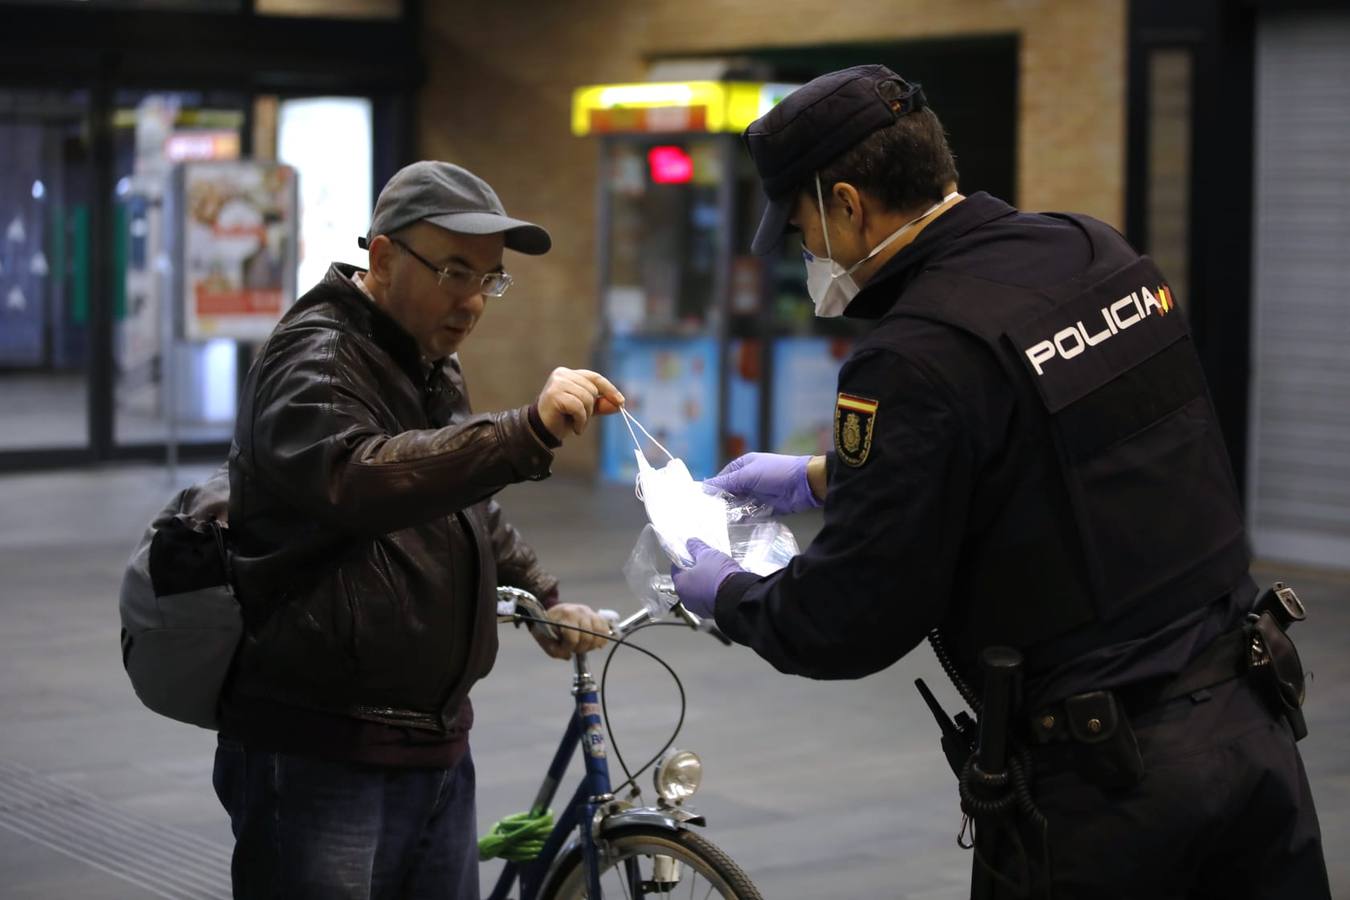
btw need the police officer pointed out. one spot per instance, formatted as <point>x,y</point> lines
<point>1025,454</point>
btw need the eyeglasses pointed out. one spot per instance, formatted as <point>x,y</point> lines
<point>461,279</point>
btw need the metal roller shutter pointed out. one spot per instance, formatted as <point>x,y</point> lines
<point>1299,474</point>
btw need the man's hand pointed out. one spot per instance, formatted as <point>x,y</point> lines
<point>698,584</point>
<point>572,396</point>
<point>776,480</point>
<point>572,642</point>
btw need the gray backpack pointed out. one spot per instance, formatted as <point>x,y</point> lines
<point>181,622</point>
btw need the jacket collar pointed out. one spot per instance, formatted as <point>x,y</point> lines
<point>880,294</point>
<point>337,287</point>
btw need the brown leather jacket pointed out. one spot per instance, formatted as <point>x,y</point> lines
<point>367,548</point>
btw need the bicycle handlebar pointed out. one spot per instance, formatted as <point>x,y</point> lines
<point>525,607</point>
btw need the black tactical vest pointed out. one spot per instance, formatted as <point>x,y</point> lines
<point>1142,522</point>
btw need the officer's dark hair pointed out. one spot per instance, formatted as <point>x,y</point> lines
<point>905,165</point>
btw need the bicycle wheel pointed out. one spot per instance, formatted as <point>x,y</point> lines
<point>654,862</point>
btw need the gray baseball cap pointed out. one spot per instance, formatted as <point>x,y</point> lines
<point>452,198</point>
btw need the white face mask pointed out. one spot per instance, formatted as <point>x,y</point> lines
<point>830,285</point>
<point>676,504</point>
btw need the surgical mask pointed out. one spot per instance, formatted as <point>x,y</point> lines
<point>677,505</point>
<point>830,285</point>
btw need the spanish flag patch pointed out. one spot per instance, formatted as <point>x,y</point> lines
<point>854,418</point>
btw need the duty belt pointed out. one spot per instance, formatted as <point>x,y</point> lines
<point>1090,717</point>
<point>1260,649</point>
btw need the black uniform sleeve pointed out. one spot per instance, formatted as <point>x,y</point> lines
<point>877,577</point>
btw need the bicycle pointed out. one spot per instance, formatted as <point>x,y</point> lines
<point>598,839</point>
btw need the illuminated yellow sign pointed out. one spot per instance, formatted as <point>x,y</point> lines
<point>666,107</point>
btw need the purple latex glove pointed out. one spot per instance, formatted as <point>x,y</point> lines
<point>774,479</point>
<point>698,584</point>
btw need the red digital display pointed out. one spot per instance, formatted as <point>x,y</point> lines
<point>670,165</point>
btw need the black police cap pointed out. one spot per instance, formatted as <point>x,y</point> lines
<point>813,125</point>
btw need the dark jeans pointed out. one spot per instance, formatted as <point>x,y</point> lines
<point>1223,811</point>
<point>310,828</point>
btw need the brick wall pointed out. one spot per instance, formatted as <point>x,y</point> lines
<point>498,96</point>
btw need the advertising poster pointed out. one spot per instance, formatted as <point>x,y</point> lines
<point>237,247</point>
<point>670,385</point>
<point>744,376</point>
<point>806,372</point>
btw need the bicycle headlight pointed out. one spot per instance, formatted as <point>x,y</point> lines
<point>678,775</point>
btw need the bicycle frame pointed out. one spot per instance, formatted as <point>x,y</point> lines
<point>592,813</point>
<point>585,728</point>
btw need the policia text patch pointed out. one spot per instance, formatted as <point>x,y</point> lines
<point>1078,347</point>
<point>854,418</point>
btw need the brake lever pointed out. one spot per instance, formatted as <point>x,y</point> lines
<point>711,627</point>
<point>525,607</point>
<point>698,623</point>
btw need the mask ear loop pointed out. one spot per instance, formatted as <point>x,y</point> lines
<point>629,420</point>
<point>824,228</point>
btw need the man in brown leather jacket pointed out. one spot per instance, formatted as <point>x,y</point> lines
<point>368,553</point>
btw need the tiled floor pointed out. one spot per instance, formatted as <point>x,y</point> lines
<point>817,789</point>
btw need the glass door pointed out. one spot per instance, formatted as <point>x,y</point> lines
<point>45,198</point>
<point>167,388</point>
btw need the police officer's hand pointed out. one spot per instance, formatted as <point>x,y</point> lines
<point>773,479</point>
<point>698,584</point>
<point>571,397</point>
<point>571,642</point>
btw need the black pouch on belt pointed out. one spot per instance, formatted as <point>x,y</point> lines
<point>1274,666</point>
<point>1105,750</point>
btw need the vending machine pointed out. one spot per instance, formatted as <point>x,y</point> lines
<point>717,351</point>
